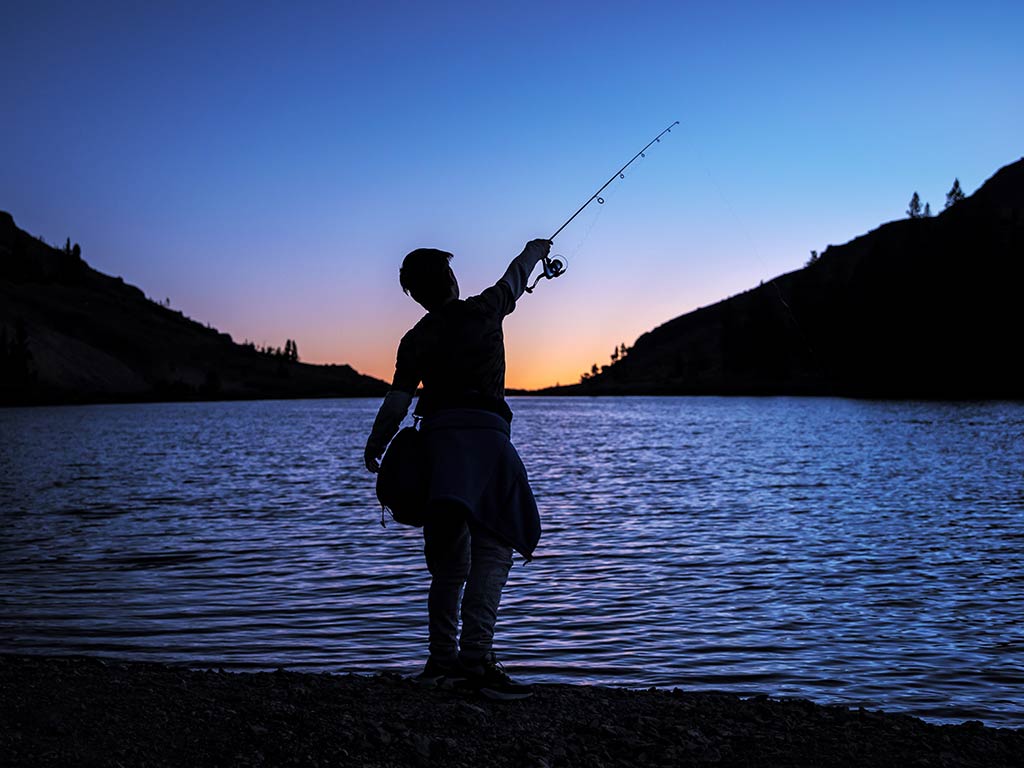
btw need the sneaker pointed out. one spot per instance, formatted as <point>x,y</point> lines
<point>489,677</point>
<point>439,673</point>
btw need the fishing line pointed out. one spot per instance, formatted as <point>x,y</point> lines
<point>599,209</point>
<point>554,266</point>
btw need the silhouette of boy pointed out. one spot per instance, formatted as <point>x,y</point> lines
<point>480,504</point>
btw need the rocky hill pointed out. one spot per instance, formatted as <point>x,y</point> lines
<point>69,333</point>
<point>921,307</point>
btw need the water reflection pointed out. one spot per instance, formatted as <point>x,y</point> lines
<point>845,551</point>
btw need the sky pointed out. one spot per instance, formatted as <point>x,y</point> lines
<point>266,166</point>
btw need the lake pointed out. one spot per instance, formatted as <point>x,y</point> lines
<point>862,552</point>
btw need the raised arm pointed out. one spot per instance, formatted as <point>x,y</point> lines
<point>517,276</point>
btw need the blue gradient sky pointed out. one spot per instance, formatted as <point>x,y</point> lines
<point>267,168</point>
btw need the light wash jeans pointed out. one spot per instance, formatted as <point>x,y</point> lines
<point>467,561</point>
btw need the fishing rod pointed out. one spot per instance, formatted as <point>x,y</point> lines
<point>555,266</point>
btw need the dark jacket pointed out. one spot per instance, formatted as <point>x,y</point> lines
<point>473,463</point>
<point>458,353</point>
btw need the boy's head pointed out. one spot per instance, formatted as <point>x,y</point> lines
<point>426,276</point>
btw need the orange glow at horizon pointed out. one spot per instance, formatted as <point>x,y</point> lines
<point>530,373</point>
<point>552,337</point>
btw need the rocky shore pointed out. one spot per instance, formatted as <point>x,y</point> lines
<point>73,711</point>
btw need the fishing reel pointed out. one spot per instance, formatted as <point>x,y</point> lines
<point>554,266</point>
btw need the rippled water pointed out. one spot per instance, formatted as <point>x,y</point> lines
<point>860,552</point>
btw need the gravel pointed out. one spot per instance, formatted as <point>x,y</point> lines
<point>74,711</point>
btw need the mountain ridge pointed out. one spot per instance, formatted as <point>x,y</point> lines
<point>72,334</point>
<point>921,307</point>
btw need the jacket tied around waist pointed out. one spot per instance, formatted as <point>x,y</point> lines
<point>471,462</point>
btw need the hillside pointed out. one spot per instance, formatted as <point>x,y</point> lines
<point>69,333</point>
<point>926,307</point>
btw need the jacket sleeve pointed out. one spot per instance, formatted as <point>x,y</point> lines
<point>389,418</point>
<point>501,297</point>
<point>518,273</point>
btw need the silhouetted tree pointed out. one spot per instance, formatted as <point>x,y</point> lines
<point>814,258</point>
<point>955,195</point>
<point>593,370</point>
<point>927,210</point>
<point>914,211</point>
<point>67,246</point>
<point>76,251</point>
<point>623,350</point>
<point>291,351</point>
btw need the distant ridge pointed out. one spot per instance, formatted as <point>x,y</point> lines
<point>924,307</point>
<point>69,333</point>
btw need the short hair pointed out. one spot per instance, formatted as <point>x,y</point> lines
<point>425,276</point>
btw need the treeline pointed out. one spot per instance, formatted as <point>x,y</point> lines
<point>915,211</point>
<point>71,250</point>
<point>618,354</point>
<point>289,352</point>
<point>17,357</point>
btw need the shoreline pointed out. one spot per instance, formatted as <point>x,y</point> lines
<point>40,405</point>
<point>88,711</point>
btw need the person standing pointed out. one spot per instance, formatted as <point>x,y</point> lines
<point>480,506</point>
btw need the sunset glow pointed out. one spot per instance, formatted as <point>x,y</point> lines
<point>267,169</point>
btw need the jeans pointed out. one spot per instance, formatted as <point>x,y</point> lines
<point>467,561</point>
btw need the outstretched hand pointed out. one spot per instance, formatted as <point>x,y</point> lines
<point>541,247</point>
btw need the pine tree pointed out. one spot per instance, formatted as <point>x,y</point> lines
<point>914,211</point>
<point>927,210</point>
<point>955,195</point>
<point>291,351</point>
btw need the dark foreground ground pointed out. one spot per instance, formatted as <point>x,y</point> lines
<point>88,712</point>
